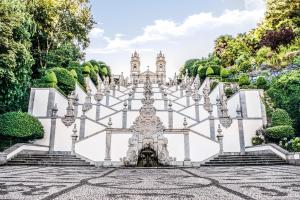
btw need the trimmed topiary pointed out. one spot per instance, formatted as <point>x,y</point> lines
<point>209,71</point>
<point>277,133</point>
<point>280,118</point>
<point>86,68</point>
<point>19,125</point>
<point>65,80</point>
<point>50,77</point>
<point>224,73</point>
<point>244,80</point>
<point>216,68</point>
<point>80,77</point>
<point>93,76</point>
<point>74,74</point>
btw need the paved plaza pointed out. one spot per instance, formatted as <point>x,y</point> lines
<point>256,182</point>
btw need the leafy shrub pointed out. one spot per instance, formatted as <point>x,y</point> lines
<point>277,133</point>
<point>244,80</point>
<point>228,92</point>
<point>256,140</point>
<point>262,55</point>
<point>216,68</point>
<point>261,83</point>
<point>65,80</point>
<point>224,73</point>
<point>209,71</point>
<point>202,71</point>
<point>213,85</point>
<point>20,125</point>
<point>297,60</point>
<point>280,118</point>
<point>296,144</point>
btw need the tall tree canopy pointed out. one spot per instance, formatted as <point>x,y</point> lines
<point>15,58</point>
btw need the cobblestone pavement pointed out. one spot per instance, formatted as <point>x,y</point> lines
<point>257,182</point>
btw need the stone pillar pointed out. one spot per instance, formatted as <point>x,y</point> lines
<point>130,100</point>
<point>220,139</point>
<point>241,130</point>
<point>187,159</point>
<point>212,125</point>
<point>170,111</point>
<point>51,99</point>
<point>74,139</point>
<point>107,159</point>
<point>82,123</point>
<point>187,100</point>
<point>107,99</point>
<point>181,91</point>
<point>53,128</point>
<point>98,111</point>
<point>197,113</point>
<point>124,118</point>
<point>165,101</point>
<point>114,90</point>
<point>76,105</point>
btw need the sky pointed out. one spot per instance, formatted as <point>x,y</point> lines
<point>181,29</point>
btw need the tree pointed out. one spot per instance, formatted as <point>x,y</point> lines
<point>58,22</point>
<point>188,65</point>
<point>15,57</point>
<point>274,39</point>
<point>285,93</point>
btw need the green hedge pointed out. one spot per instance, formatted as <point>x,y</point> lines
<point>19,125</point>
<point>65,80</point>
<point>277,133</point>
<point>262,83</point>
<point>280,118</point>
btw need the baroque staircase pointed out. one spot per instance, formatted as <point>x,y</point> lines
<point>47,160</point>
<point>244,160</point>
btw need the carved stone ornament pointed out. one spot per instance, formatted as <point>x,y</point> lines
<point>69,118</point>
<point>207,105</point>
<point>98,96</point>
<point>225,119</point>
<point>147,131</point>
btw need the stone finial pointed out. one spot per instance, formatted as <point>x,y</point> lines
<point>125,103</point>
<point>185,123</point>
<point>69,117</point>
<point>170,103</point>
<point>109,123</point>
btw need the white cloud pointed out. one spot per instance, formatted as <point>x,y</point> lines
<point>96,33</point>
<point>193,37</point>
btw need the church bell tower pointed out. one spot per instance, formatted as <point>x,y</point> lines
<point>135,67</point>
<point>161,67</point>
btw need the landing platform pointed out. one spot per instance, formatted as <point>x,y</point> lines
<point>255,182</point>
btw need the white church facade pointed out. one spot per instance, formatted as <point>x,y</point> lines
<point>147,118</point>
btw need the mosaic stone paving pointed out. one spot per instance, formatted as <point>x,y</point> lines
<point>257,182</point>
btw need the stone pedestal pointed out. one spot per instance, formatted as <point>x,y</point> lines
<point>3,158</point>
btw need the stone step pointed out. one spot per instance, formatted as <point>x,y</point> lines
<point>242,164</point>
<point>48,160</point>
<point>259,159</point>
<point>245,160</point>
<point>49,164</point>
